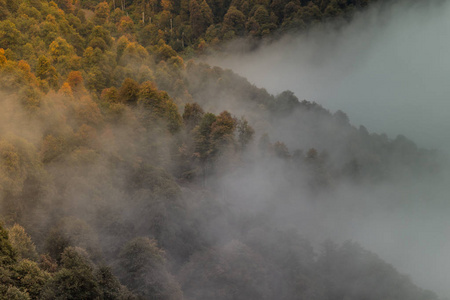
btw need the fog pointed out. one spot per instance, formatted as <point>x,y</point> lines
<point>388,70</point>
<point>233,215</point>
<point>405,223</point>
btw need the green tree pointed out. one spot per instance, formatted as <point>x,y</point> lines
<point>32,279</point>
<point>21,241</point>
<point>101,33</point>
<point>19,279</point>
<point>152,99</point>
<point>13,293</point>
<point>233,22</point>
<point>192,115</point>
<point>245,132</point>
<point>10,37</point>
<point>142,268</point>
<point>76,279</point>
<point>13,5</point>
<point>71,232</point>
<point>66,5</point>
<point>8,255</point>
<point>22,178</point>
<point>173,117</point>
<point>203,139</point>
<point>110,287</point>
<point>200,16</point>
<point>233,271</point>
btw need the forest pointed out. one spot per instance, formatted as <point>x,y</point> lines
<point>131,170</point>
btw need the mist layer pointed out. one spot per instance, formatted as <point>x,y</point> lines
<point>387,69</point>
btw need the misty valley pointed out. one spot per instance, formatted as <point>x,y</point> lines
<point>148,152</point>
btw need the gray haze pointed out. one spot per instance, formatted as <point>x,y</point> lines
<point>388,70</point>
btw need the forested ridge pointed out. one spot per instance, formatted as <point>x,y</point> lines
<point>117,154</point>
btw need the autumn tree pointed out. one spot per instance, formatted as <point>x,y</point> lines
<point>222,129</point>
<point>75,81</point>
<point>121,45</point>
<point>60,47</point>
<point>63,56</point>
<point>164,51</point>
<point>110,95</point>
<point>101,15</point>
<point>129,91</point>
<point>47,72</point>
<point>126,25</point>
<point>134,55</point>
<point>166,5</point>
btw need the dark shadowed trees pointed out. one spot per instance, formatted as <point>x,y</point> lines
<point>142,268</point>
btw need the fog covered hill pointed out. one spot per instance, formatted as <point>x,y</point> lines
<point>128,173</point>
<point>304,126</point>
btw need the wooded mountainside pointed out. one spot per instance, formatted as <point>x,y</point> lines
<point>114,147</point>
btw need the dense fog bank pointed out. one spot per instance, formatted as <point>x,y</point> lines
<point>386,69</point>
<point>130,172</point>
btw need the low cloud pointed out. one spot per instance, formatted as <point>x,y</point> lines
<point>388,70</point>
